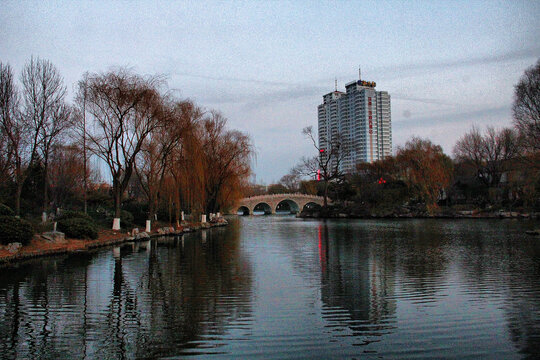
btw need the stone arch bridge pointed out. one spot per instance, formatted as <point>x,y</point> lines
<point>269,203</point>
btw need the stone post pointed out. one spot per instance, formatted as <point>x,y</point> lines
<point>182,216</point>
<point>218,215</point>
<point>148,226</point>
<point>203,218</point>
<point>116,224</point>
<point>43,217</point>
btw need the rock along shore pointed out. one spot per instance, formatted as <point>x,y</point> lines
<point>40,247</point>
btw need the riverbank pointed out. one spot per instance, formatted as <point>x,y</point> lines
<point>340,212</point>
<point>40,246</point>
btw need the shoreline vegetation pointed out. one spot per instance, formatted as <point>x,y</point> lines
<point>344,212</point>
<point>41,247</point>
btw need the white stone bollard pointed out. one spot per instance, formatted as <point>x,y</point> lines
<point>43,217</point>
<point>203,218</point>
<point>54,226</point>
<point>116,252</point>
<point>182,216</point>
<point>116,224</point>
<point>148,226</point>
<point>218,215</point>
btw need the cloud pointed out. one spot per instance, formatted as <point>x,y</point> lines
<point>234,79</point>
<point>480,60</point>
<point>422,100</point>
<point>455,118</point>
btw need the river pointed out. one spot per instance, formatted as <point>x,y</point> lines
<point>280,287</point>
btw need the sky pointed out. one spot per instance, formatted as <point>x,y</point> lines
<point>447,65</point>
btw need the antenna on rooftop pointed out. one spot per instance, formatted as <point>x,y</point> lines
<point>336,83</point>
<point>359,73</point>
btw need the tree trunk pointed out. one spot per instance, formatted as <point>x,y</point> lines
<point>325,193</point>
<point>151,208</point>
<point>117,201</point>
<point>18,193</point>
<point>45,187</point>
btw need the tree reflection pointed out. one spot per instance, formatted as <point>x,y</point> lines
<point>144,304</point>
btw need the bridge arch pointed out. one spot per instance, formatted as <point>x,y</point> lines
<point>294,201</point>
<point>263,207</point>
<point>311,206</point>
<point>290,205</point>
<point>242,210</point>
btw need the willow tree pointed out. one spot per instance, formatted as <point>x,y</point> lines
<point>227,159</point>
<point>425,169</point>
<point>125,109</point>
<point>185,170</point>
<point>157,152</point>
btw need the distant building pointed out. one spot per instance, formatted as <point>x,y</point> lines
<point>361,119</point>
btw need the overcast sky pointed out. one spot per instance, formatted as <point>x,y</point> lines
<point>266,65</point>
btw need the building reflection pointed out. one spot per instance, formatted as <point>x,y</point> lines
<point>357,276</point>
<point>143,303</point>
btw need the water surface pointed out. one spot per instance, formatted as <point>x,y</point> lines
<point>281,287</point>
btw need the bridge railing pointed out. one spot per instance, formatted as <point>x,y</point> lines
<point>293,195</point>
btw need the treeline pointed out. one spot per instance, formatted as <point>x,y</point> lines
<point>160,153</point>
<point>490,170</point>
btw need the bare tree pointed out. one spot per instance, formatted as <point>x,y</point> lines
<point>526,108</point>
<point>489,153</point>
<point>45,110</point>
<point>326,166</point>
<point>19,140</point>
<point>290,181</point>
<point>125,108</point>
<point>79,121</point>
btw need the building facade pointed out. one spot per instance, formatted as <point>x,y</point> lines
<point>359,120</point>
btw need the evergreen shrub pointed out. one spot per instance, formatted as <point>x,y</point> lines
<point>6,210</point>
<point>70,214</point>
<point>78,228</point>
<point>13,229</point>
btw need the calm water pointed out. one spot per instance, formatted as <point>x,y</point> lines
<point>280,287</point>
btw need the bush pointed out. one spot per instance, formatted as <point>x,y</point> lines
<point>138,210</point>
<point>69,214</point>
<point>13,229</point>
<point>126,219</point>
<point>78,228</point>
<point>6,210</point>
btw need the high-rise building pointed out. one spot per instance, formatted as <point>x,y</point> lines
<point>359,120</point>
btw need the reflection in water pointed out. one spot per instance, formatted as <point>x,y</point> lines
<point>281,287</point>
<point>143,304</point>
<point>356,284</point>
